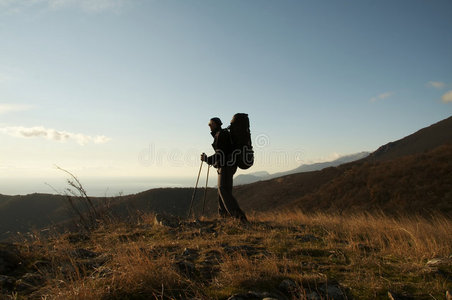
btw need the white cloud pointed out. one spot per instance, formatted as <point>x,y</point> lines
<point>87,5</point>
<point>447,97</point>
<point>52,134</point>
<point>16,6</point>
<point>436,84</point>
<point>7,107</point>
<point>381,96</point>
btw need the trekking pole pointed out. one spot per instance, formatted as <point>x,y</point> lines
<point>205,191</point>
<point>194,192</point>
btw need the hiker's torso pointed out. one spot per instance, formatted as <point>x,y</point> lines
<point>222,143</point>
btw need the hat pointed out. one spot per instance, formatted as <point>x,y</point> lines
<point>216,120</point>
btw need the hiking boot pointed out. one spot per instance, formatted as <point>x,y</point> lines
<point>223,214</point>
<point>243,219</point>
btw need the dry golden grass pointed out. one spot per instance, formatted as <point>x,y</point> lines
<point>367,255</point>
<point>413,237</point>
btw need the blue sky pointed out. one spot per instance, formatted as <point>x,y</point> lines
<point>111,88</point>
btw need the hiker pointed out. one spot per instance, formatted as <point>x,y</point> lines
<point>227,204</point>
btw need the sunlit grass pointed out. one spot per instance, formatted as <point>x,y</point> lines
<point>366,254</point>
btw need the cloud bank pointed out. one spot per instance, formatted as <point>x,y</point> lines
<point>381,96</point>
<point>52,134</point>
<point>447,97</point>
<point>7,107</point>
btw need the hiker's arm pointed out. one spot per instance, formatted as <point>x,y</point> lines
<point>208,159</point>
<point>223,146</point>
<point>211,159</point>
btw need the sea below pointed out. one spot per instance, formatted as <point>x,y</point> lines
<point>99,187</point>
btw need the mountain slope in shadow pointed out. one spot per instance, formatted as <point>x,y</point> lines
<point>313,190</point>
<point>258,176</point>
<point>421,141</point>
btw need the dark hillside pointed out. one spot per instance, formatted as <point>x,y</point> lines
<point>21,213</point>
<point>423,140</point>
<point>274,193</point>
<point>420,183</point>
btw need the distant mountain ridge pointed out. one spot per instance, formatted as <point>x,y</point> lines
<point>263,175</point>
<point>422,140</point>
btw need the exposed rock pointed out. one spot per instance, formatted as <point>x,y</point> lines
<point>259,295</point>
<point>238,297</point>
<point>288,286</point>
<point>166,220</point>
<point>208,272</point>
<point>253,295</point>
<point>244,249</point>
<point>93,263</point>
<point>84,253</point>
<point>190,254</point>
<point>332,291</point>
<point>204,230</point>
<point>187,268</point>
<point>213,255</point>
<point>307,238</point>
<point>77,237</point>
<point>313,296</point>
<point>438,262</point>
<point>366,248</point>
<point>439,266</point>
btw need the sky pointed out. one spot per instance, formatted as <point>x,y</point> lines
<point>123,90</point>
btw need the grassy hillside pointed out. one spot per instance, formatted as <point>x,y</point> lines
<point>19,213</point>
<point>420,183</point>
<point>282,256</point>
<point>423,140</point>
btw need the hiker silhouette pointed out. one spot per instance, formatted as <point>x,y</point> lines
<point>227,204</point>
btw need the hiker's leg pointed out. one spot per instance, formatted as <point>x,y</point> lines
<point>222,212</point>
<point>239,212</point>
<point>225,175</point>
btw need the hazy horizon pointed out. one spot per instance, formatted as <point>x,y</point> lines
<point>98,187</point>
<point>114,186</point>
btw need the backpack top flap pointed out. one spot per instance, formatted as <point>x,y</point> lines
<point>240,130</point>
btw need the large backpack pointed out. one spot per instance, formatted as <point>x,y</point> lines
<point>243,154</point>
